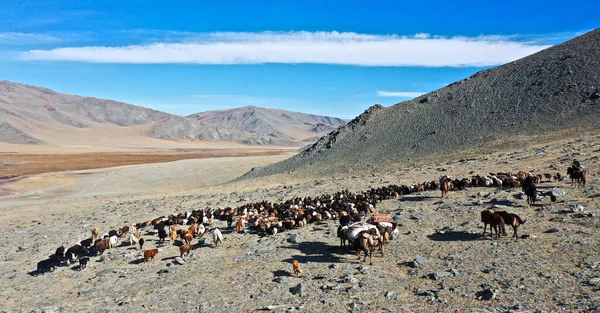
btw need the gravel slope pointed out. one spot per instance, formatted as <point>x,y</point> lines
<point>555,269</point>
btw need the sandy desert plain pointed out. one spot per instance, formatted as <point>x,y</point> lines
<point>54,196</point>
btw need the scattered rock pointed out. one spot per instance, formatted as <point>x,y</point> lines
<point>441,275</point>
<point>293,238</point>
<point>419,261</point>
<point>179,261</point>
<point>487,294</point>
<point>391,295</point>
<point>594,281</point>
<point>558,192</point>
<point>576,207</point>
<point>552,230</point>
<point>349,279</point>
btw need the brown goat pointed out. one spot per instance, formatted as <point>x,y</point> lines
<point>150,254</point>
<point>184,248</point>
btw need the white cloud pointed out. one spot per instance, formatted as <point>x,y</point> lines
<point>15,38</point>
<point>400,94</point>
<point>305,47</point>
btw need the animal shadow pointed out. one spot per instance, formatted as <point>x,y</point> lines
<point>314,251</point>
<point>137,261</point>
<point>417,198</point>
<point>279,273</point>
<point>454,236</point>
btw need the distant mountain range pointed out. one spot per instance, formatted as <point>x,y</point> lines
<point>555,93</point>
<point>37,115</point>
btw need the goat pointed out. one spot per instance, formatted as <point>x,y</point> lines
<point>296,266</point>
<point>511,219</point>
<point>86,243</point>
<point>184,248</point>
<point>83,262</point>
<point>172,235</point>
<point>495,221</point>
<point>76,251</point>
<point>162,234</point>
<point>102,245</point>
<point>134,238</point>
<point>47,265</point>
<point>141,242</point>
<point>95,232</point>
<point>150,254</point>
<point>113,240</point>
<point>239,225</point>
<point>124,230</point>
<point>201,230</point>
<point>59,254</point>
<point>217,236</point>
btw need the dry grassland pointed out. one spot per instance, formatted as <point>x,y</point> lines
<point>16,164</point>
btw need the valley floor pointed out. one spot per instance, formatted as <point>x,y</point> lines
<point>553,270</point>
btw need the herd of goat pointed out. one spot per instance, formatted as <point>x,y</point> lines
<point>266,217</point>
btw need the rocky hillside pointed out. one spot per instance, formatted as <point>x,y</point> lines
<point>35,115</point>
<point>555,91</point>
<point>257,124</point>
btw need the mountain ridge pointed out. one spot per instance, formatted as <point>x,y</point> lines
<point>38,115</point>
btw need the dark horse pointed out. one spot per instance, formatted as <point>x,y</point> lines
<point>530,189</point>
<point>511,219</point>
<point>577,176</point>
<point>495,221</point>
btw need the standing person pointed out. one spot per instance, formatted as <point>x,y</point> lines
<point>344,219</point>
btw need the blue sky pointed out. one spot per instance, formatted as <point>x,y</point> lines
<point>323,57</point>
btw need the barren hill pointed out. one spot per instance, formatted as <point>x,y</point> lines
<point>269,124</point>
<point>36,115</point>
<point>553,93</point>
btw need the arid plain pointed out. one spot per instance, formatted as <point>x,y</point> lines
<point>553,269</point>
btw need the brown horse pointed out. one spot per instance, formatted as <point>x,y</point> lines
<point>511,219</point>
<point>445,184</point>
<point>364,242</point>
<point>577,176</point>
<point>494,219</point>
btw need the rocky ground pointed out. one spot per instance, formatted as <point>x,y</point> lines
<point>439,263</point>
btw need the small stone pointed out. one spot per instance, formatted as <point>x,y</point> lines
<point>420,260</point>
<point>179,261</point>
<point>163,271</point>
<point>391,295</point>
<point>293,238</point>
<point>594,281</point>
<point>552,230</point>
<point>349,279</point>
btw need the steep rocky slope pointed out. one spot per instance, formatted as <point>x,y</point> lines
<point>555,92</point>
